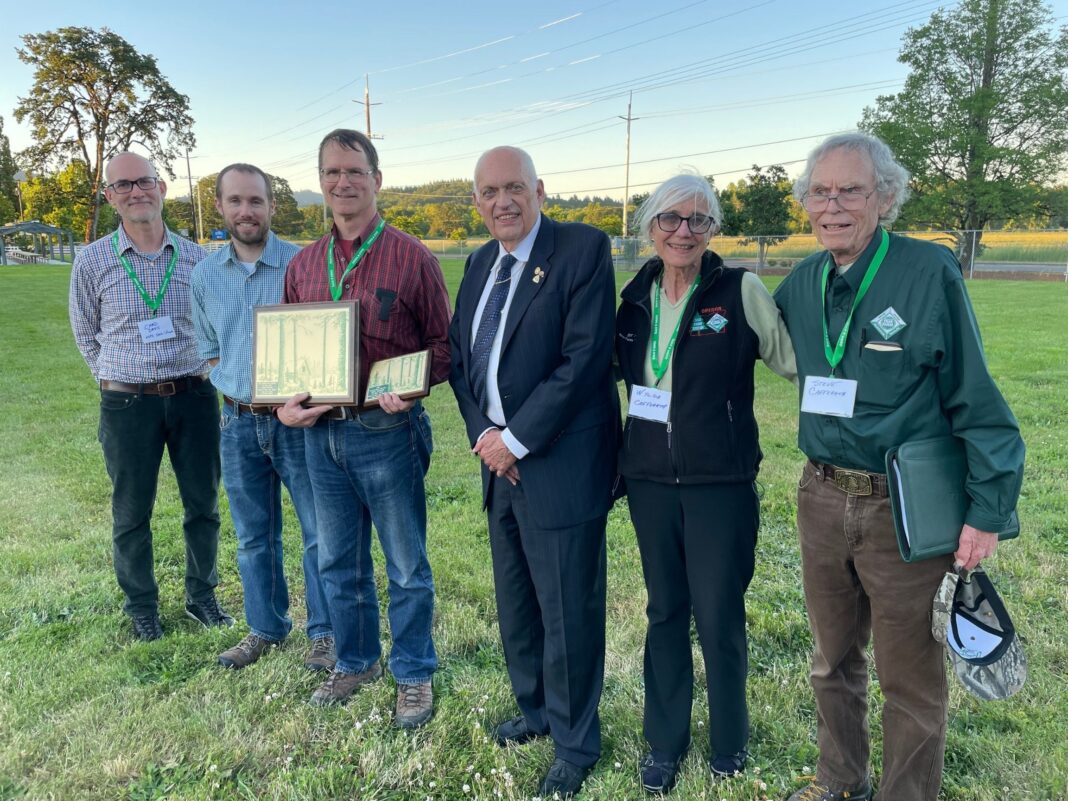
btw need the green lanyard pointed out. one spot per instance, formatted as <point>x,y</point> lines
<point>835,357</point>
<point>152,302</point>
<point>335,285</point>
<point>660,367</point>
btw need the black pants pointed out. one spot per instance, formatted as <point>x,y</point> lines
<point>133,432</point>
<point>550,588</point>
<point>697,544</point>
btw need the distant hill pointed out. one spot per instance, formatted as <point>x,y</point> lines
<point>307,197</point>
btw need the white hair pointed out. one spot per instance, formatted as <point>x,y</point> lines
<point>891,179</point>
<point>678,189</point>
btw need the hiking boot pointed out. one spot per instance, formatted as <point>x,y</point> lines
<point>322,655</point>
<point>208,613</point>
<point>724,767</point>
<point>820,792</point>
<point>246,652</point>
<point>415,705</point>
<point>339,687</point>
<point>147,627</point>
<point>659,772</point>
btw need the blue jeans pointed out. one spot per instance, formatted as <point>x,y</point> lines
<point>370,470</point>
<point>259,454</point>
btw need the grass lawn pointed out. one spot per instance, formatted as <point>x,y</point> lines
<point>87,713</point>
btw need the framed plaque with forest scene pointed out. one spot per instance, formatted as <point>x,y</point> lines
<point>408,376</point>
<point>306,347</point>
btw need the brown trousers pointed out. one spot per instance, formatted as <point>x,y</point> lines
<point>858,587</point>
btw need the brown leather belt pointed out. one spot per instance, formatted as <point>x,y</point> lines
<point>852,482</point>
<point>249,408</point>
<point>165,388</point>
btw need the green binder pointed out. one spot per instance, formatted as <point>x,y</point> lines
<point>926,479</point>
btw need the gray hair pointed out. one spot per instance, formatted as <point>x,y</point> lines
<point>678,189</point>
<point>891,179</point>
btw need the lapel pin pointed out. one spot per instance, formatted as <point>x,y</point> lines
<point>538,275</point>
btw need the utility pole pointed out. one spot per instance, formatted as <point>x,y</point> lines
<point>189,174</point>
<point>366,103</point>
<point>626,179</point>
<point>200,218</point>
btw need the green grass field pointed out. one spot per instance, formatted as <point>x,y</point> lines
<point>87,713</point>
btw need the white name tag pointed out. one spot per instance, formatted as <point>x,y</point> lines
<point>649,403</point>
<point>157,329</point>
<point>831,396</point>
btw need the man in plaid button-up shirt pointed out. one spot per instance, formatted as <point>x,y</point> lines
<point>369,464</point>
<point>130,313</point>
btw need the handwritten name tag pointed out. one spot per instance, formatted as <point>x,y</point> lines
<point>157,329</point>
<point>649,403</point>
<point>830,396</point>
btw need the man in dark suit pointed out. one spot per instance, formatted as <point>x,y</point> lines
<point>531,345</point>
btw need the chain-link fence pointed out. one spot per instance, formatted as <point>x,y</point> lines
<point>986,254</point>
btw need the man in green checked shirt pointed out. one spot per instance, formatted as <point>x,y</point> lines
<point>888,351</point>
<point>131,316</point>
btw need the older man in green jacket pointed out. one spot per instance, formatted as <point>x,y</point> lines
<point>888,351</point>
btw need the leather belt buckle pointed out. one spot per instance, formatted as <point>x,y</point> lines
<point>852,482</point>
<point>167,388</point>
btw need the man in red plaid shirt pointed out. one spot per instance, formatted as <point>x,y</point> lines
<point>368,464</point>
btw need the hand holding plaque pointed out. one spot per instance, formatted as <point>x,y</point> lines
<point>407,376</point>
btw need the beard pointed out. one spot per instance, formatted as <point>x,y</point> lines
<point>257,237</point>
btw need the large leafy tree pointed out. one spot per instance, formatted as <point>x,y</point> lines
<point>759,208</point>
<point>9,201</point>
<point>287,220</point>
<point>982,120</point>
<point>94,95</point>
<point>63,199</point>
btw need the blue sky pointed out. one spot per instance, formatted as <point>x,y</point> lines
<point>718,84</point>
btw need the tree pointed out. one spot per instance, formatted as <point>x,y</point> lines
<point>287,219</point>
<point>9,188</point>
<point>179,216</point>
<point>62,199</point>
<point>204,205</point>
<point>312,226</point>
<point>983,117</point>
<point>94,95</point>
<point>759,207</point>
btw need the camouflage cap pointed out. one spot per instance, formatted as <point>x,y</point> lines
<point>971,621</point>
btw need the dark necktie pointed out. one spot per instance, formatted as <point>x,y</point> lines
<point>487,328</point>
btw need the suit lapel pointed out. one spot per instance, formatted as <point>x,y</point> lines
<point>532,279</point>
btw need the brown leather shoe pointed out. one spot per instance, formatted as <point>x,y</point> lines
<point>339,687</point>
<point>245,652</point>
<point>415,705</point>
<point>322,655</point>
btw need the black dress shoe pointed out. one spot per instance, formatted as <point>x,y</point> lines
<point>659,772</point>
<point>563,779</point>
<point>515,732</point>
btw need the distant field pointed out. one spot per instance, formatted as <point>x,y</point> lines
<point>86,713</point>
<point>998,246</point>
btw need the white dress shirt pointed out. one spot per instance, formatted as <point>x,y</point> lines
<point>494,409</point>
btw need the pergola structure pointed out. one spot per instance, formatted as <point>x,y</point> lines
<point>51,237</point>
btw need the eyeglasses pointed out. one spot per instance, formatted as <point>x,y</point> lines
<point>851,199</point>
<point>669,221</point>
<point>333,175</point>
<point>125,187</point>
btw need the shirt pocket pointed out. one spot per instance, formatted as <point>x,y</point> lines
<point>887,375</point>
